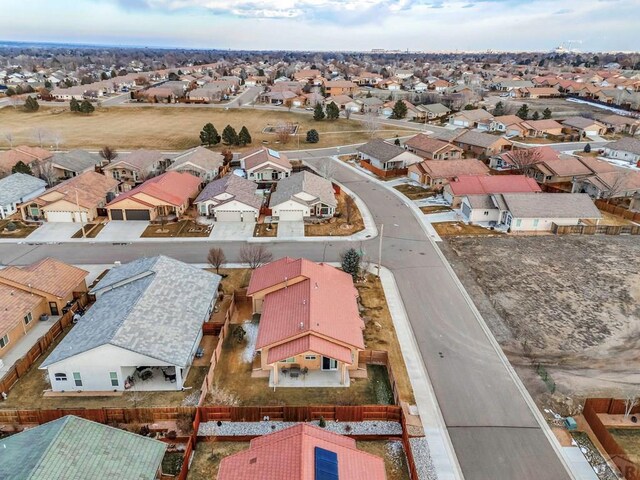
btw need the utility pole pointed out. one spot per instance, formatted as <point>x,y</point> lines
<point>80,214</point>
<point>380,249</point>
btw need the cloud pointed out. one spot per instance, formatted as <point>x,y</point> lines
<point>563,11</point>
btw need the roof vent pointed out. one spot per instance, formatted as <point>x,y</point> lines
<point>117,263</point>
<point>301,325</point>
<point>316,284</point>
<point>253,460</point>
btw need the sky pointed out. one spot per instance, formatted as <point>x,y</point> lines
<point>347,25</point>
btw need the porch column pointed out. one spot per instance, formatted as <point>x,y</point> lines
<point>343,368</point>
<point>179,377</point>
<point>275,374</point>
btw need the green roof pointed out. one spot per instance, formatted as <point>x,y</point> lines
<point>76,449</point>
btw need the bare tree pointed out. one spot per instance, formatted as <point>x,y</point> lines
<point>523,158</point>
<point>327,168</point>
<point>349,207</point>
<point>616,182</point>
<point>108,153</point>
<point>40,135</point>
<point>371,124</point>
<point>216,258</point>
<point>8,136</point>
<point>45,170</point>
<point>255,255</point>
<point>283,132</point>
<point>57,139</point>
<point>630,401</point>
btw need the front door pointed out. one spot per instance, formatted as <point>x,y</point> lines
<point>329,363</point>
<point>53,306</point>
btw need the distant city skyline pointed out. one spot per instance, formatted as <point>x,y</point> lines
<point>322,25</point>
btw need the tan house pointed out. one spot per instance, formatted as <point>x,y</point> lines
<point>435,173</point>
<point>26,293</point>
<point>133,168</point>
<point>309,323</point>
<point>432,148</point>
<point>30,156</point>
<point>482,144</point>
<point>339,87</point>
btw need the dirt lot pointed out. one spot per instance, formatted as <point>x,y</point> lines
<point>172,128</point>
<point>560,108</point>
<point>183,228</point>
<point>452,229</point>
<point>571,303</point>
<point>414,192</point>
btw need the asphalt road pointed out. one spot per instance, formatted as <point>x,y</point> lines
<point>490,422</point>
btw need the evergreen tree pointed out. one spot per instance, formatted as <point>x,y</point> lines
<point>587,148</point>
<point>499,110</point>
<point>468,106</point>
<point>31,104</point>
<point>229,135</point>
<point>523,112</point>
<point>351,262</point>
<point>87,107</point>
<point>244,137</point>
<point>535,116</point>
<point>74,105</point>
<point>47,84</point>
<point>209,135</point>
<point>397,141</point>
<point>318,113</point>
<point>333,111</point>
<point>21,167</point>
<point>546,114</point>
<point>313,136</point>
<point>399,110</point>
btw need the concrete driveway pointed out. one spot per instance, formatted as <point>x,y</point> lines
<point>232,231</point>
<point>290,229</point>
<point>54,232</point>
<point>120,231</point>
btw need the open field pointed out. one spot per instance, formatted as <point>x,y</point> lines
<point>571,303</point>
<point>173,128</point>
<point>453,229</point>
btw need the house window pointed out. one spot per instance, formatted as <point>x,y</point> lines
<point>309,357</point>
<point>114,378</point>
<point>77,379</point>
<point>27,318</point>
<point>60,377</point>
<point>289,360</point>
<point>4,341</point>
<point>35,211</point>
<point>486,212</point>
<point>535,222</point>
<point>518,222</point>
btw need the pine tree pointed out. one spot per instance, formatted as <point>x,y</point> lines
<point>31,104</point>
<point>499,110</point>
<point>21,167</point>
<point>535,116</point>
<point>523,112</point>
<point>351,262</point>
<point>74,105</point>
<point>209,135</point>
<point>318,113</point>
<point>546,114</point>
<point>229,135</point>
<point>313,136</point>
<point>397,141</point>
<point>399,110</point>
<point>333,111</point>
<point>244,137</point>
<point>86,107</point>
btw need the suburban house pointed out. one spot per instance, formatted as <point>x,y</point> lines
<point>16,189</point>
<point>302,452</point>
<point>230,199</point>
<point>79,199</point>
<point>519,212</point>
<point>620,124</point>
<point>309,322</point>
<point>432,148</point>
<point>303,195</point>
<point>626,148</point>
<point>386,157</point>
<point>370,104</point>
<point>74,448</point>
<point>535,92</point>
<point>199,162</point>
<point>30,156</point>
<point>470,118</point>
<point>339,87</point>
<point>169,194</point>
<point>432,173</point>
<point>514,126</point>
<point>466,185</point>
<point>482,144</point>
<point>264,165</point>
<point>133,168</point>
<point>142,332</point>
<point>607,180</point>
<point>73,163</point>
<point>505,160</point>
<point>434,111</point>
<point>585,126</point>
<point>27,293</point>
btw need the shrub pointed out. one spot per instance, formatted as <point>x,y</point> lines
<point>184,422</point>
<point>12,227</point>
<point>322,423</point>
<point>172,435</point>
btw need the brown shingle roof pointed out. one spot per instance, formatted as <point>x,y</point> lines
<point>48,275</point>
<point>14,305</point>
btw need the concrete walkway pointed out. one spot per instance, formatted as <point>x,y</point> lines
<point>290,229</point>
<point>24,344</point>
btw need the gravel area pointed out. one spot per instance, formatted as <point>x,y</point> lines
<point>229,429</point>
<point>422,458</point>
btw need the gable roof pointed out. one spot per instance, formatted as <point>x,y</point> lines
<point>290,455</point>
<point>479,139</point>
<point>479,184</point>
<point>141,160</point>
<point>199,157</point>
<point>47,275</point>
<point>428,144</point>
<point>581,122</point>
<point>137,308</point>
<point>303,182</point>
<point>474,115</point>
<point>14,305</point>
<point>550,205</point>
<point>76,160</point>
<point>17,186</point>
<point>91,188</point>
<point>22,153</point>
<point>240,189</point>
<point>74,448</point>
<point>381,150</point>
<point>258,156</point>
<point>174,188</point>
<point>453,168</point>
<point>625,144</point>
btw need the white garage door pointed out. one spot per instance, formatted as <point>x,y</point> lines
<point>414,176</point>
<point>291,215</point>
<point>229,215</point>
<point>59,217</point>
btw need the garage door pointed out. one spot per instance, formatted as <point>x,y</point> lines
<point>59,217</point>
<point>414,176</point>
<point>138,215</point>
<point>291,215</point>
<point>228,215</point>
<point>80,217</point>
<point>116,214</point>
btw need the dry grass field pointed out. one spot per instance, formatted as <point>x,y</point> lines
<point>171,128</point>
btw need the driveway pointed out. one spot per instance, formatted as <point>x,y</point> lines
<point>54,232</point>
<point>232,231</point>
<point>291,229</point>
<point>119,231</point>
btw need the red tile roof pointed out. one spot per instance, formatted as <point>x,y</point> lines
<point>479,185</point>
<point>290,455</point>
<point>174,188</point>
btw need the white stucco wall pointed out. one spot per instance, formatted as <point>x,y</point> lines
<point>543,224</point>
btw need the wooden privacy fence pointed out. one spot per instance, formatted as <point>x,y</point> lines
<point>618,455</point>
<point>411,462</point>
<point>286,413</point>
<point>621,212</point>
<point>595,229</point>
<point>396,172</point>
<point>381,357</point>
<point>22,365</point>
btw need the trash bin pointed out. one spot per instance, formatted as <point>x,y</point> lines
<point>570,423</point>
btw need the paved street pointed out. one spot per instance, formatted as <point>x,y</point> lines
<point>489,416</point>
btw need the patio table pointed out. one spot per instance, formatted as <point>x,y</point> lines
<point>294,372</point>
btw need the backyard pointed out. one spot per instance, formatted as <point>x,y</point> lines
<point>174,128</point>
<point>629,440</point>
<point>392,452</point>
<point>338,226</point>
<point>208,455</point>
<point>414,192</point>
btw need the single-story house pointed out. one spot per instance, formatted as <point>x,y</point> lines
<point>230,199</point>
<point>466,185</point>
<point>308,318</point>
<point>370,104</point>
<point>74,448</point>
<point>30,156</point>
<point>302,452</point>
<point>142,332</point>
<point>627,149</point>
<point>386,156</point>
<point>620,124</point>
<point>432,148</point>
<point>199,162</point>
<point>16,189</point>
<point>26,293</point>
<point>73,163</point>
<point>585,126</point>
<point>434,110</point>
<point>504,161</point>
<point>535,92</point>
<point>431,173</point>
<point>539,128</point>
<point>133,168</point>
<point>470,118</point>
<point>78,199</point>
<point>482,144</point>
<point>557,171</point>
<point>168,194</point>
<point>302,195</point>
<point>264,165</point>
<point>615,183</point>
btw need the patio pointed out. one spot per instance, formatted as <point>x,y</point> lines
<point>152,379</point>
<point>313,378</point>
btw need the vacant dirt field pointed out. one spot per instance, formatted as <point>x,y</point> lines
<point>571,303</point>
<point>169,128</point>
